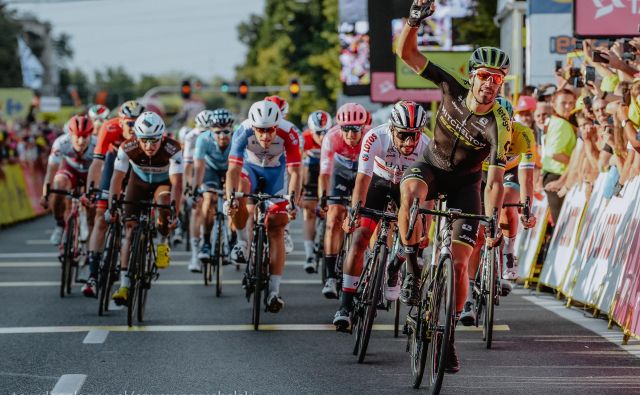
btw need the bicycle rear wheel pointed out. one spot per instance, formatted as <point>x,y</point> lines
<point>439,324</point>
<point>372,300</point>
<point>489,279</point>
<point>259,277</point>
<point>107,270</point>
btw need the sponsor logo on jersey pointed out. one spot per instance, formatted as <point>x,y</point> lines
<point>415,170</point>
<point>468,239</point>
<point>466,227</point>
<point>365,157</point>
<point>367,144</point>
<point>483,121</point>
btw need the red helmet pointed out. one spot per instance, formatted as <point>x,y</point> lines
<point>80,125</point>
<point>526,103</point>
<point>282,104</point>
<point>352,114</point>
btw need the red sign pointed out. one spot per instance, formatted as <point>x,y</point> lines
<point>610,18</point>
<point>383,90</point>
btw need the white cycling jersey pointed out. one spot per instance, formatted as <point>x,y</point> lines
<point>62,150</point>
<point>189,144</point>
<point>380,157</point>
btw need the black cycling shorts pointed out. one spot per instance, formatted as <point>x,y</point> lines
<point>380,193</point>
<point>213,179</point>
<point>311,175</point>
<point>107,173</point>
<point>138,190</point>
<point>343,180</point>
<point>463,193</point>
<point>510,178</point>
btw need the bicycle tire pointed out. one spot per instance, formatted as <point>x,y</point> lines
<point>218,258</point>
<point>107,268</point>
<point>206,268</point>
<point>258,278</point>
<point>375,293</point>
<point>144,276</point>
<point>358,308</point>
<point>67,259</point>
<point>417,339</point>
<point>440,325</point>
<point>186,230</point>
<point>133,276</point>
<point>490,278</point>
<point>396,318</point>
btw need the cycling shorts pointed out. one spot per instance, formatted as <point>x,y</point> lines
<point>138,190</point>
<point>463,193</point>
<point>213,179</point>
<point>270,179</point>
<point>76,177</point>
<point>510,179</point>
<point>343,181</point>
<point>311,175</point>
<point>107,173</point>
<point>380,193</point>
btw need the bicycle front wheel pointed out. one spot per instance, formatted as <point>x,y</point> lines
<point>135,260</point>
<point>107,267</point>
<point>144,275</point>
<point>439,324</point>
<point>67,257</point>
<point>259,277</point>
<point>218,258</point>
<point>489,279</point>
<point>372,299</point>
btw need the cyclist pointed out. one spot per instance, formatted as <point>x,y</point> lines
<point>520,165</point>
<point>319,122</point>
<point>204,121</point>
<point>338,168</point>
<point>69,162</point>
<point>98,115</point>
<point>387,151</point>
<point>211,165</point>
<point>112,134</point>
<point>156,165</point>
<point>286,125</point>
<point>260,152</point>
<point>470,126</point>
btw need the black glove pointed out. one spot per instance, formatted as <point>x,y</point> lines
<point>417,13</point>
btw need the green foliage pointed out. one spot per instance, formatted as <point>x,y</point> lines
<point>11,75</point>
<point>294,39</point>
<point>119,85</point>
<point>479,28</point>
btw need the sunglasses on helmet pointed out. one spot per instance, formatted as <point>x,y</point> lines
<point>484,75</point>
<point>352,129</point>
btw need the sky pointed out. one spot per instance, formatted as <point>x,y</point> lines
<point>150,36</point>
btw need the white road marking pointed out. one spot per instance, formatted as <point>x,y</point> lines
<point>17,284</point>
<point>37,264</point>
<point>205,328</point>
<point>37,242</point>
<point>69,384</point>
<point>96,336</point>
<point>114,307</point>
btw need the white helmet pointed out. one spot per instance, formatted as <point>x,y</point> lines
<point>149,125</point>
<point>264,114</point>
<point>204,119</point>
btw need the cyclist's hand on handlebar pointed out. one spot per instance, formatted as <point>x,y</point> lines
<point>528,222</point>
<point>493,242</point>
<point>110,215</point>
<point>229,209</point>
<point>346,227</point>
<point>86,200</point>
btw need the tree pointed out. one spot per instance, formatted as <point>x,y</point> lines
<point>294,39</point>
<point>11,75</point>
<point>479,28</point>
<point>119,85</point>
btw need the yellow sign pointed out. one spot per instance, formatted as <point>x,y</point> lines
<point>15,103</point>
<point>406,78</point>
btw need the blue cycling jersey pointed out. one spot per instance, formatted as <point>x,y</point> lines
<point>207,148</point>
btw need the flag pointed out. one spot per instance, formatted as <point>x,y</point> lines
<point>32,70</point>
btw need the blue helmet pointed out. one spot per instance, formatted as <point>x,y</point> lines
<point>222,117</point>
<point>506,104</point>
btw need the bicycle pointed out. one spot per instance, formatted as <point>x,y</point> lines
<point>220,244</point>
<point>109,270</point>
<point>487,287</point>
<point>346,244</point>
<point>142,258</point>
<point>369,294</point>
<point>70,250</point>
<point>429,324</point>
<point>256,277</point>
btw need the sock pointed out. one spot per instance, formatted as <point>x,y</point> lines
<point>350,283</point>
<point>398,260</point>
<point>242,235</point>
<point>346,301</point>
<point>124,278</point>
<point>195,243</point>
<point>330,263</point>
<point>411,254</point>
<point>509,245</point>
<point>470,292</point>
<point>164,239</point>
<point>274,284</point>
<point>94,263</point>
<point>308,248</point>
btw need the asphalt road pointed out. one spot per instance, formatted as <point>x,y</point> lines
<point>195,343</point>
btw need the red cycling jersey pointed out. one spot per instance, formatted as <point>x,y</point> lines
<point>109,138</point>
<point>335,148</point>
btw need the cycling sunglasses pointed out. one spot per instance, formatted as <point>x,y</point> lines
<point>225,132</point>
<point>130,123</point>
<point>352,129</point>
<point>320,132</point>
<point>270,130</point>
<point>484,75</point>
<point>405,135</point>
<point>149,141</point>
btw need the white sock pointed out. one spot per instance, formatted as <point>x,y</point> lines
<point>309,246</point>
<point>242,235</point>
<point>470,291</point>
<point>350,283</point>
<point>164,239</point>
<point>195,246</point>
<point>274,284</point>
<point>509,245</point>
<point>124,278</point>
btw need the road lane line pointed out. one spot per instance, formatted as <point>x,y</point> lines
<point>96,336</point>
<point>29,376</point>
<point>42,264</point>
<point>114,307</point>
<point>205,328</point>
<point>18,284</point>
<point>69,384</point>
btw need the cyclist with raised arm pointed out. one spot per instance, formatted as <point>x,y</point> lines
<point>211,164</point>
<point>112,134</point>
<point>261,154</point>
<point>156,165</point>
<point>284,124</point>
<point>387,151</point>
<point>338,168</point>
<point>204,121</point>
<point>319,123</point>
<point>69,161</point>
<point>520,165</point>
<point>470,126</point>
<point>98,115</point>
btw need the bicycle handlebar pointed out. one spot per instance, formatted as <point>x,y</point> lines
<point>526,207</point>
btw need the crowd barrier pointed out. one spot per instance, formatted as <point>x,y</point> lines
<point>529,241</point>
<point>593,256</point>
<point>20,191</point>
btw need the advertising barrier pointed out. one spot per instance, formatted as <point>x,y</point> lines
<point>19,194</point>
<point>564,238</point>
<point>530,240</point>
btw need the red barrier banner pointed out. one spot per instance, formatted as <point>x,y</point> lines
<point>530,240</point>
<point>33,179</point>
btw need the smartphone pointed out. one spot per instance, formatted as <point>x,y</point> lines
<point>578,45</point>
<point>587,102</point>
<point>558,65</point>
<point>589,74</point>
<point>598,58</point>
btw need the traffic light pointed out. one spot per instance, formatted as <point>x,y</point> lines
<point>294,88</point>
<point>224,87</point>
<point>185,90</point>
<point>243,89</point>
